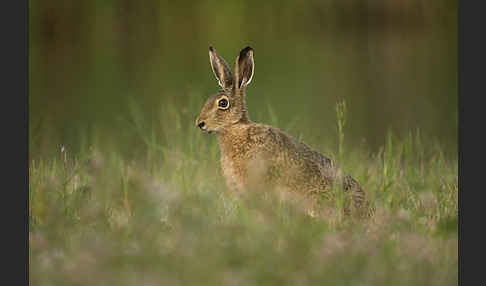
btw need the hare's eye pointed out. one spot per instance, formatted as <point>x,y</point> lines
<point>223,103</point>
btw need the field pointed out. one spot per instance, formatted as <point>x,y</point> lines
<point>166,217</point>
<point>124,189</point>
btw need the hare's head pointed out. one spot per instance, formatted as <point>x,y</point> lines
<point>228,106</point>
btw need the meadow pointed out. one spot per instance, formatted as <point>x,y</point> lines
<point>124,189</point>
<point>165,217</point>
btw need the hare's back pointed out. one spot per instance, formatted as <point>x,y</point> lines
<point>294,160</point>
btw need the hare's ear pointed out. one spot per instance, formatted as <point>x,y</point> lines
<point>221,69</point>
<point>244,67</point>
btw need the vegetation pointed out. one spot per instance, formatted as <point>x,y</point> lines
<point>125,190</point>
<point>166,218</point>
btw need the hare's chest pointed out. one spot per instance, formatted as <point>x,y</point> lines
<point>233,172</point>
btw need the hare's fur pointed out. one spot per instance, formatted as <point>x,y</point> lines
<point>255,154</point>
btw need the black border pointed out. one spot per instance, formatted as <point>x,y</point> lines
<point>15,136</point>
<point>471,183</point>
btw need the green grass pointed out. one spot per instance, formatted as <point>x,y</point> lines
<point>158,213</point>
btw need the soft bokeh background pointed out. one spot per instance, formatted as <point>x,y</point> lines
<point>125,190</point>
<point>394,62</point>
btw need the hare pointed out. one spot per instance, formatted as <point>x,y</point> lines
<point>254,154</point>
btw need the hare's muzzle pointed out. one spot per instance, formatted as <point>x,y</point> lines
<point>201,124</point>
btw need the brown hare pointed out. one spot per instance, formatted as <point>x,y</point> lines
<point>254,154</point>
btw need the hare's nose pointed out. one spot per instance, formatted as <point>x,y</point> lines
<point>201,125</point>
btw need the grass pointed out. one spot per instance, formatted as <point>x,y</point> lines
<point>163,216</point>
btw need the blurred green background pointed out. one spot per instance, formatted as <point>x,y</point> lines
<point>136,196</point>
<point>394,62</point>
